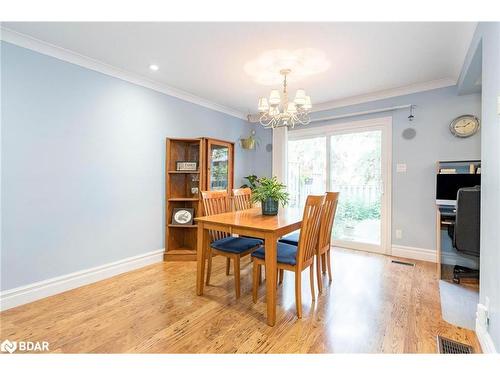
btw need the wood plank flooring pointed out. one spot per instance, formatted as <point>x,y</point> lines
<point>372,306</point>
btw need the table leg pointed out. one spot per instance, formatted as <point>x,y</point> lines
<point>271,271</point>
<point>200,258</point>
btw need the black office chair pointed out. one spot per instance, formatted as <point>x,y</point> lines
<point>467,229</point>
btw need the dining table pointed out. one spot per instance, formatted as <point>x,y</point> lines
<point>250,223</point>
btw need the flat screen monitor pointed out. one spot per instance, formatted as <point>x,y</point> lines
<point>447,186</point>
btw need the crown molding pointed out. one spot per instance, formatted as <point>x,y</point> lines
<point>60,53</point>
<point>385,94</point>
<point>25,41</point>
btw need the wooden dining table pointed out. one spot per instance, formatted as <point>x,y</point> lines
<point>251,223</point>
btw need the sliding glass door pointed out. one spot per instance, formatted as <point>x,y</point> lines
<point>352,159</point>
<point>355,172</point>
<point>306,169</point>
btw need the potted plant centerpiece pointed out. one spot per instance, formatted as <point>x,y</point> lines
<point>270,193</point>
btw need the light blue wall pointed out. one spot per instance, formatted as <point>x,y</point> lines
<point>413,193</point>
<point>487,37</point>
<point>262,158</point>
<point>82,162</point>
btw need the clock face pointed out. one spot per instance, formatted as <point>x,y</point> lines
<point>464,126</point>
<point>182,216</point>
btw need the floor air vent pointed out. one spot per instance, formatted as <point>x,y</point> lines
<point>447,346</point>
<point>404,263</point>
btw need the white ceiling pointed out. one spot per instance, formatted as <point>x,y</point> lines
<point>208,59</point>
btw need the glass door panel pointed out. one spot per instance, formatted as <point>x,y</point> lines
<point>306,169</point>
<point>219,166</point>
<point>356,172</point>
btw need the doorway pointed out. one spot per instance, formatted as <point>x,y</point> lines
<point>354,159</point>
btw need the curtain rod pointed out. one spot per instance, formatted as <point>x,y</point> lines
<point>363,113</point>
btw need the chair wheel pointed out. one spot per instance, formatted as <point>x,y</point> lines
<point>456,281</point>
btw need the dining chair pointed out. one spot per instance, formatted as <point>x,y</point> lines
<point>222,243</point>
<point>323,259</point>
<point>242,198</point>
<point>296,258</point>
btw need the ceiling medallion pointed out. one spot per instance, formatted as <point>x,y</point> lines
<point>277,111</point>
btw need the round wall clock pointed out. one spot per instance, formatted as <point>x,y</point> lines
<point>464,126</point>
<point>182,216</point>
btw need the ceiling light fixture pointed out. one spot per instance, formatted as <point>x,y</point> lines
<point>154,67</point>
<point>277,111</point>
<point>265,68</point>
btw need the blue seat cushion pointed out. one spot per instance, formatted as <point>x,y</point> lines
<point>235,245</point>
<point>291,239</point>
<point>286,253</point>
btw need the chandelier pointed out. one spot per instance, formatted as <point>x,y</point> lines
<point>277,111</point>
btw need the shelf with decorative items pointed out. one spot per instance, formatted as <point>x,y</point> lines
<point>184,180</point>
<point>183,172</point>
<point>192,165</point>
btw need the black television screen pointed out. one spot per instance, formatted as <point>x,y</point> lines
<point>447,185</point>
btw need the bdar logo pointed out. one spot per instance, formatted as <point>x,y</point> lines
<point>24,346</point>
<point>8,346</point>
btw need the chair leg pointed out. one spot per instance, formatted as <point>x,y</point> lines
<point>281,273</point>
<point>228,265</point>
<point>298,293</point>
<point>209,268</point>
<point>311,280</point>
<point>323,262</point>
<point>318,273</point>
<point>329,265</point>
<point>237,275</point>
<point>260,273</point>
<point>256,280</point>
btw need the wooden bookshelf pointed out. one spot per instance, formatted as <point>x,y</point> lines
<point>215,160</point>
<point>180,240</point>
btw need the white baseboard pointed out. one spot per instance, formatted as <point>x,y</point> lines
<point>32,292</point>
<point>416,253</point>
<point>487,345</point>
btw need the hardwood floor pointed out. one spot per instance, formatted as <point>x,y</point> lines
<point>372,305</point>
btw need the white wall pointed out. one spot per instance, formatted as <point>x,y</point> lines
<point>487,37</point>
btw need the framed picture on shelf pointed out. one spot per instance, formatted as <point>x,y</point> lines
<point>182,216</point>
<point>186,166</point>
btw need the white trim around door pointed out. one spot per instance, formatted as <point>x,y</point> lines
<point>385,125</point>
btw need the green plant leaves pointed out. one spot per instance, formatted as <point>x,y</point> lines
<point>269,188</point>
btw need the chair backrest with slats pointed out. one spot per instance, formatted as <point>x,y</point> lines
<point>216,202</point>
<point>242,199</point>
<point>308,239</point>
<point>327,218</point>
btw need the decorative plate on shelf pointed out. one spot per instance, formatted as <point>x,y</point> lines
<point>182,216</point>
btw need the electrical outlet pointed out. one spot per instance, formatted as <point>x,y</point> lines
<point>401,168</point>
<point>399,234</point>
<point>482,316</point>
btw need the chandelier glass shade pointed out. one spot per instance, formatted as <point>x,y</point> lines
<point>277,110</point>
